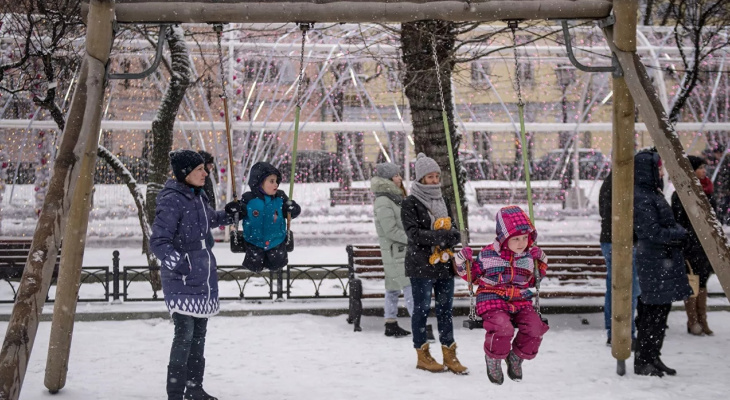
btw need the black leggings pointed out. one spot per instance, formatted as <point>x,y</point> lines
<point>651,325</point>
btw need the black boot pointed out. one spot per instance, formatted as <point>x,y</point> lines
<point>392,329</point>
<point>647,370</point>
<point>429,334</point>
<point>194,384</point>
<point>661,367</point>
<point>175,382</point>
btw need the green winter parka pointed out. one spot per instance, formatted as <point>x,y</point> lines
<point>391,235</point>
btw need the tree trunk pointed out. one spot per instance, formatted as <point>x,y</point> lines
<point>139,200</point>
<point>422,90</point>
<point>164,121</point>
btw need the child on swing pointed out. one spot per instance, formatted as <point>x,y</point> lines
<point>263,211</point>
<point>504,274</point>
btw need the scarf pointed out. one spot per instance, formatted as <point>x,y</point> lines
<point>431,197</point>
<point>707,186</point>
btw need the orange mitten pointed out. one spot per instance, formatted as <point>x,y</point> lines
<point>439,255</point>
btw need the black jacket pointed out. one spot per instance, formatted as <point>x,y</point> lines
<point>693,251</point>
<point>604,208</point>
<point>660,239</point>
<point>422,239</point>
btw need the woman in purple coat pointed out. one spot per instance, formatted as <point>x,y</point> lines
<point>183,220</point>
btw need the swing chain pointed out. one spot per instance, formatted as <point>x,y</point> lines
<point>218,29</point>
<point>513,26</point>
<point>304,26</point>
<point>438,71</point>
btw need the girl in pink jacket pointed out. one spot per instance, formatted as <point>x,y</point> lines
<point>505,275</point>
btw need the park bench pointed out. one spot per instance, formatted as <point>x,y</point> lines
<point>506,195</point>
<point>13,256</point>
<point>575,270</point>
<point>351,197</point>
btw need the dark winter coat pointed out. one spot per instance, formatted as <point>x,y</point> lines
<point>693,251</point>
<point>604,208</point>
<point>264,219</point>
<point>183,220</point>
<point>660,239</point>
<point>422,239</point>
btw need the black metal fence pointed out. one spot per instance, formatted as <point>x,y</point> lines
<point>132,283</point>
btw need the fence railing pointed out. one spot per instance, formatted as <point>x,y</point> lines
<point>132,283</point>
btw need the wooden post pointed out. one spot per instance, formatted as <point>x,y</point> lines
<point>98,45</point>
<point>38,271</point>
<point>703,218</point>
<point>622,201</point>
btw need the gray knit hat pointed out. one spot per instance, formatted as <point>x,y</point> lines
<point>387,170</point>
<point>425,165</point>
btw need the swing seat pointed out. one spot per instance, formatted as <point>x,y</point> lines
<point>238,245</point>
<point>472,324</point>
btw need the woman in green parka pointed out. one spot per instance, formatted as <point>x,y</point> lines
<point>387,185</point>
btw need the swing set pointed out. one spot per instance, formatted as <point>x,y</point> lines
<point>66,208</point>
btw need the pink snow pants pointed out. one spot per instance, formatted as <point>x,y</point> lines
<point>498,339</point>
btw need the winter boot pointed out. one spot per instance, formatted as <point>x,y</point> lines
<point>392,329</point>
<point>451,362</point>
<point>693,323</point>
<point>175,382</point>
<point>514,367</point>
<point>702,312</point>
<point>494,370</point>
<point>647,370</point>
<point>429,334</point>
<point>426,362</point>
<point>659,364</point>
<point>194,384</point>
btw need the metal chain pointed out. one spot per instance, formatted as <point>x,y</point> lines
<point>304,28</point>
<point>513,25</point>
<point>438,71</point>
<point>219,31</point>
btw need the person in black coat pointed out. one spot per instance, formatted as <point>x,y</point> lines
<point>419,212</point>
<point>696,307</point>
<point>604,209</point>
<point>660,263</point>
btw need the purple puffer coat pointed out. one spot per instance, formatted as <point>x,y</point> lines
<point>183,220</point>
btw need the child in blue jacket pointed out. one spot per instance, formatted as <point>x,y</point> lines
<point>263,211</point>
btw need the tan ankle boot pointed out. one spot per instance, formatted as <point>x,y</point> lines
<point>693,323</point>
<point>426,362</point>
<point>451,362</point>
<point>702,312</point>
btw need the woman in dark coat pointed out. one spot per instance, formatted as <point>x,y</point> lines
<point>419,212</point>
<point>660,263</point>
<point>183,220</point>
<point>696,307</point>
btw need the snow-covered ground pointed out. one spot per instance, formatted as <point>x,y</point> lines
<point>307,357</point>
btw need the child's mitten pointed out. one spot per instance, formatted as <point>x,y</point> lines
<point>466,254</point>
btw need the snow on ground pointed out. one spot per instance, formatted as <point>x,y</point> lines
<point>307,357</point>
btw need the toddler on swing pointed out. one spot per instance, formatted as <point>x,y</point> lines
<point>263,211</point>
<point>504,274</point>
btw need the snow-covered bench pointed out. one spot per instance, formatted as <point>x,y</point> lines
<point>575,270</point>
<point>506,195</point>
<point>13,256</point>
<point>351,196</point>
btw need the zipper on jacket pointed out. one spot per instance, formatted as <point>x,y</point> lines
<point>207,230</point>
<point>185,277</point>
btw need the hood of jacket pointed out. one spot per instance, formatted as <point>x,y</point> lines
<point>385,186</point>
<point>177,186</point>
<point>646,170</point>
<point>259,172</point>
<point>511,221</point>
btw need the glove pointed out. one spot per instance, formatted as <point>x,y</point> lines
<point>466,254</point>
<point>234,208</point>
<point>450,238</point>
<point>291,207</point>
<point>536,253</point>
<point>528,293</point>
